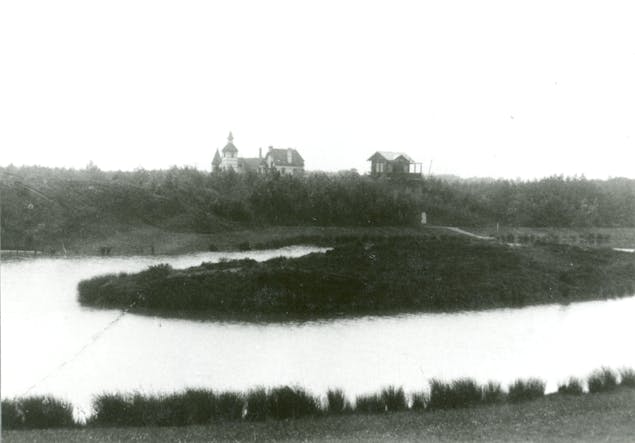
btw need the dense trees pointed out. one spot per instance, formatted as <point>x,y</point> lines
<point>43,203</point>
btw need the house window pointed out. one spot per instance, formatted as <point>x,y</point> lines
<point>379,167</point>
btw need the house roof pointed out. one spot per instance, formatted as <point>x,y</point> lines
<point>250,164</point>
<point>279,157</point>
<point>217,160</point>
<point>391,156</point>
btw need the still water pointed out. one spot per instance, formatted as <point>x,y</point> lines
<point>52,345</point>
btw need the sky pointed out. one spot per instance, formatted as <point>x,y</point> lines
<point>503,89</point>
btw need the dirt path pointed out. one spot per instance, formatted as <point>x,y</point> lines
<point>469,234</point>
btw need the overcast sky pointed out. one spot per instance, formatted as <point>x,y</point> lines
<point>502,89</point>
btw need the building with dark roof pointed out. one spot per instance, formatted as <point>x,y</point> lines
<point>393,164</point>
<point>285,161</point>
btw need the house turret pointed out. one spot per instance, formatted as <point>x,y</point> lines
<point>230,155</point>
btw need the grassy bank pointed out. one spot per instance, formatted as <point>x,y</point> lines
<point>461,409</point>
<point>376,276</point>
<point>146,240</point>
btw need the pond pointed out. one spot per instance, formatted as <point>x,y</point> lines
<point>52,345</point>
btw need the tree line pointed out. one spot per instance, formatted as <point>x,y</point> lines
<point>39,203</point>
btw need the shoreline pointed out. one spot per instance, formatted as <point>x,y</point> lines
<point>139,241</point>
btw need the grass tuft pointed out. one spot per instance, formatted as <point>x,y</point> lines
<point>627,376</point>
<point>419,401</point>
<point>336,402</point>
<point>573,386</point>
<point>493,393</point>
<point>523,390</point>
<point>37,412</point>
<point>257,405</point>
<point>394,399</point>
<point>602,380</point>
<point>369,404</point>
<point>460,393</point>
<point>286,402</point>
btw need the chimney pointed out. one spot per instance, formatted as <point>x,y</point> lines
<point>259,152</point>
<point>289,156</point>
<point>270,148</point>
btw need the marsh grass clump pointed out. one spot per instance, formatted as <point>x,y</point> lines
<point>573,386</point>
<point>192,407</point>
<point>37,412</point>
<point>394,399</point>
<point>111,409</point>
<point>200,406</point>
<point>459,393</point>
<point>369,404</point>
<point>12,416</point>
<point>286,402</point>
<point>627,377</point>
<point>419,401</point>
<point>336,402</point>
<point>229,406</point>
<point>523,390</point>
<point>492,393</point>
<point>602,380</point>
<point>257,405</point>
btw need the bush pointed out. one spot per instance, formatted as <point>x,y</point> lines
<point>286,402</point>
<point>523,390</point>
<point>37,412</point>
<point>394,399</point>
<point>336,402</point>
<point>200,406</point>
<point>457,394</point>
<point>492,393</point>
<point>12,416</point>
<point>573,386</point>
<point>369,404</point>
<point>602,380</point>
<point>111,410</point>
<point>419,401</point>
<point>229,406</point>
<point>257,405</point>
<point>627,376</point>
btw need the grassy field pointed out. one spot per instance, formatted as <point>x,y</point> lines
<point>596,417</point>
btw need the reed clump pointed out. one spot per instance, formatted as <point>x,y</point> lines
<point>286,402</point>
<point>36,412</point>
<point>459,393</point>
<point>336,402</point>
<point>524,390</point>
<point>493,393</point>
<point>205,407</point>
<point>573,386</point>
<point>627,377</point>
<point>369,404</point>
<point>602,380</point>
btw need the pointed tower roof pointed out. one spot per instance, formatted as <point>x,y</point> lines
<point>217,160</point>
<point>229,147</point>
